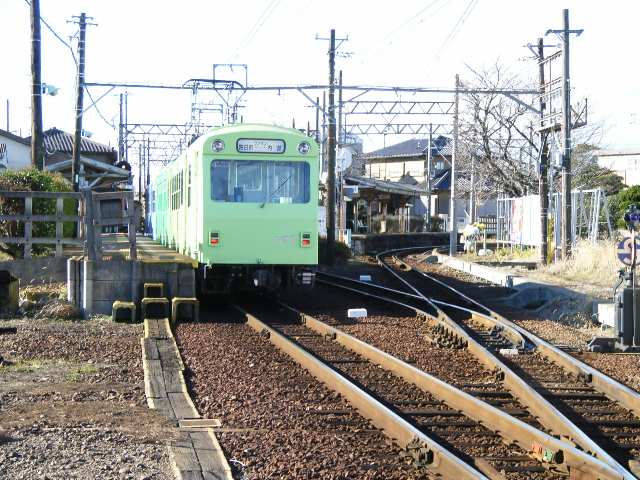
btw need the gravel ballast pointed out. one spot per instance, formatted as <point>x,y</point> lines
<point>72,403</point>
<point>277,420</point>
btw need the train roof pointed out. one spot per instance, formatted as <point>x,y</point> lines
<point>250,127</point>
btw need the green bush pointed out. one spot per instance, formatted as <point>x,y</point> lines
<point>619,203</point>
<point>33,180</point>
<point>342,253</point>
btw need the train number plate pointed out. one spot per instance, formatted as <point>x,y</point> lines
<point>257,145</point>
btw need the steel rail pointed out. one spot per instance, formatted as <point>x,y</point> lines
<point>627,397</point>
<point>429,454</point>
<point>548,415</point>
<point>510,428</point>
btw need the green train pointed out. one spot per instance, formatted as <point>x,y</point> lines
<point>242,201</point>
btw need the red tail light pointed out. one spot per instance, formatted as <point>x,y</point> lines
<point>305,240</point>
<point>214,239</point>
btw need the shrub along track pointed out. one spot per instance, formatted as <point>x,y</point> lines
<point>574,390</point>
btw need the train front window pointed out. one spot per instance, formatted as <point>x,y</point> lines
<point>244,181</point>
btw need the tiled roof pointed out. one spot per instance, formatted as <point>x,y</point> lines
<point>11,136</point>
<point>413,148</point>
<point>385,186</point>
<point>58,141</point>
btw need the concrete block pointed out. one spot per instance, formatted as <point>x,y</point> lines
<point>357,312</point>
<point>153,290</point>
<point>109,289</point>
<point>480,271</point>
<point>178,302</point>
<point>123,311</point>
<point>606,313</point>
<point>155,308</point>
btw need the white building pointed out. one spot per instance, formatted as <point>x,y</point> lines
<point>625,163</point>
<point>15,151</point>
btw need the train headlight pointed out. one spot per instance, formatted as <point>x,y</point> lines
<point>217,145</point>
<point>303,148</point>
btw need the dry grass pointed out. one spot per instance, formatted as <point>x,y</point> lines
<point>59,310</point>
<point>594,264</point>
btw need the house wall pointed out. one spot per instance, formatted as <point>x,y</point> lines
<point>394,170</point>
<point>625,165</point>
<point>18,154</point>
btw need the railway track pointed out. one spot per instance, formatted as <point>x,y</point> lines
<point>277,420</point>
<point>443,428</point>
<point>567,397</point>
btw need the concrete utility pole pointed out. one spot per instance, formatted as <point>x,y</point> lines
<point>77,136</point>
<point>453,225</point>
<point>544,164</point>
<point>37,140</point>
<point>331,153</point>
<point>567,230</point>
<point>340,140</point>
<point>428,176</point>
<point>121,133</point>
<point>318,123</point>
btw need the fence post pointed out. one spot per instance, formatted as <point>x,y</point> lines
<point>59,229</point>
<point>28,224</point>
<point>90,237</point>
<point>131,226</point>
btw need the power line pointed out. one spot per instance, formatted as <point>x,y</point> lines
<point>253,31</point>
<point>395,31</point>
<point>55,34</point>
<point>457,27</point>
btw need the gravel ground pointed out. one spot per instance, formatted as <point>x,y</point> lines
<point>72,403</point>
<point>622,367</point>
<point>278,421</point>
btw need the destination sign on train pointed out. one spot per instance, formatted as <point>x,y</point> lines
<point>256,145</point>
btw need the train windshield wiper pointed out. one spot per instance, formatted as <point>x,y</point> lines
<point>284,182</point>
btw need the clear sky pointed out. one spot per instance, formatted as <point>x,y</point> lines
<point>406,42</point>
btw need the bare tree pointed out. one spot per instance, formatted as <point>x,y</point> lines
<point>498,133</point>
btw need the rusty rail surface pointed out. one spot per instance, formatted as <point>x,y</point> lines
<point>548,415</point>
<point>428,453</point>
<point>510,428</point>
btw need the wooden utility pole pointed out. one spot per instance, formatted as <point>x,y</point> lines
<point>77,136</point>
<point>331,153</point>
<point>544,164</point>
<point>37,140</point>
<point>453,224</point>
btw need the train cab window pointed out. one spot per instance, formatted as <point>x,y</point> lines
<point>245,181</point>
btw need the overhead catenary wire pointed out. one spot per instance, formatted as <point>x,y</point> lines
<point>55,34</point>
<point>253,31</point>
<point>456,28</point>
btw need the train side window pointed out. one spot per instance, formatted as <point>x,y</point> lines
<point>220,180</point>
<point>189,186</point>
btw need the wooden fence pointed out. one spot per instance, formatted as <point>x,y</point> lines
<point>94,212</point>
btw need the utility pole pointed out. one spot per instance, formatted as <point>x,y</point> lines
<point>428,176</point>
<point>453,225</point>
<point>318,121</point>
<point>8,116</point>
<point>567,230</point>
<point>121,133</point>
<point>331,150</point>
<point>77,137</point>
<point>472,194</point>
<point>37,140</point>
<point>140,162</point>
<point>331,146</point>
<point>340,140</point>
<point>544,164</point>
<point>147,191</point>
